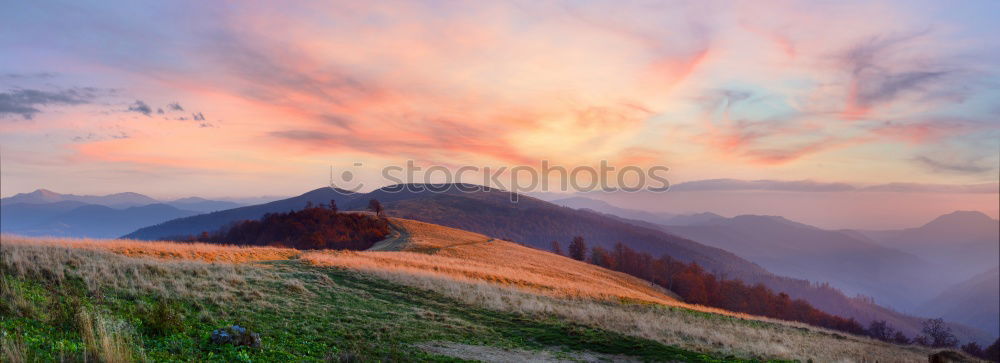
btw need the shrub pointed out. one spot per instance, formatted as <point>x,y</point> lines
<point>163,318</point>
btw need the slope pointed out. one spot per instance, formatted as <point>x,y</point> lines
<point>961,243</point>
<point>427,248</point>
<point>892,277</point>
<point>975,302</point>
<point>306,311</point>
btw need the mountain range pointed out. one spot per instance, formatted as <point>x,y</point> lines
<point>895,278</point>
<point>974,302</point>
<point>47,213</point>
<point>44,196</point>
<point>962,243</point>
<point>899,268</point>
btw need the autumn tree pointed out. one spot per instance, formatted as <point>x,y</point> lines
<point>938,334</point>
<point>376,207</point>
<point>556,248</point>
<point>312,228</point>
<point>601,257</point>
<point>333,206</point>
<point>578,249</point>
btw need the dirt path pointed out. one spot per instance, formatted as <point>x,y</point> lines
<point>398,238</point>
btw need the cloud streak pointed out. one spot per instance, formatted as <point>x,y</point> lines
<point>26,102</point>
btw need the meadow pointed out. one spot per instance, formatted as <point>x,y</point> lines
<point>427,293</point>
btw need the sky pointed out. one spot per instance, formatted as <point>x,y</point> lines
<point>248,98</point>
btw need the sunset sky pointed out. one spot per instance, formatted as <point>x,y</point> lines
<point>246,98</point>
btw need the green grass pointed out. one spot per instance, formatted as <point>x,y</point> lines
<point>332,314</point>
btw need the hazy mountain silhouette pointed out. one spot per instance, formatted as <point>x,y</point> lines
<point>961,244</point>
<point>88,220</point>
<point>43,196</point>
<point>605,207</point>
<point>770,236</point>
<point>660,218</point>
<point>15,216</point>
<point>203,205</point>
<point>974,302</point>
<point>789,248</point>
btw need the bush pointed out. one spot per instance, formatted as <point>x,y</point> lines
<point>163,318</point>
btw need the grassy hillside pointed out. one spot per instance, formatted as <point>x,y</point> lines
<point>61,302</point>
<point>427,249</point>
<point>432,293</point>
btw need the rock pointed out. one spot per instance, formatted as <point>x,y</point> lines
<point>236,335</point>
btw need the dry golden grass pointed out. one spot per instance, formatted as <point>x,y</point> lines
<point>165,250</point>
<point>442,251</point>
<point>58,260</point>
<point>108,340</point>
<point>13,349</point>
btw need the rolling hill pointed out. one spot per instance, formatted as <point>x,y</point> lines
<point>961,244</point>
<point>447,287</point>
<point>787,248</point>
<point>974,302</point>
<point>529,221</point>
<point>467,256</point>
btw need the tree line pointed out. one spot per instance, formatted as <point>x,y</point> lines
<point>315,227</point>
<point>695,285</point>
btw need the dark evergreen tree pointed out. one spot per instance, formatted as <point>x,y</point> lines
<point>578,249</point>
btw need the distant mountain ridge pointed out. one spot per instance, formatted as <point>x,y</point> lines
<point>75,219</point>
<point>661,218</point>
<point>961,243</point>
<point>118,200</point>
<point>974,302</point>
<point>47,213</point>
<point>42,196</point>
<point>739,235</point>
<point>788,248</point>
<point>203,205</point>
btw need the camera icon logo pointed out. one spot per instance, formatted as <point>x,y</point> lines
<point>345,179</point>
